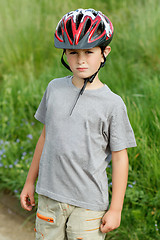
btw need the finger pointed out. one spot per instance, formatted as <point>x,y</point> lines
<point>32,201</point>
<point>25,203</point>
<point>105,228</point>
<point>102,228</point>
<point>102,224</point>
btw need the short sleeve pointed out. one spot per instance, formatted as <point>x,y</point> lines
<point>41,111</point>
<point>121,132</point>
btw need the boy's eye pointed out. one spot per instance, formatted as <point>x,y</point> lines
<point>89,52</point>
<point>72,52</point>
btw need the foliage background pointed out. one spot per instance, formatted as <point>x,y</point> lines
<point>28,61</point>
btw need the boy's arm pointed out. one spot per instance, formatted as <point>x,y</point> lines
<point>112,218</point>
<point>27,194</point>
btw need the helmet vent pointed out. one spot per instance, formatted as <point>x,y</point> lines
<point>88,24</point>
<point>79,18</point>
<point>95,14</point>
<point>59,31</point>
<point>100,28</point>
<point>106,19</point>
<point>69,29</point>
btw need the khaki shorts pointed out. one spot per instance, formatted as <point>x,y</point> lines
<point>60,221</point>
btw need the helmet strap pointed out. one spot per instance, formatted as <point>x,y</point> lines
<point>64,63</point>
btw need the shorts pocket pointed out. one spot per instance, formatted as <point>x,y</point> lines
<point>44,223</point>
<point>45,218</point>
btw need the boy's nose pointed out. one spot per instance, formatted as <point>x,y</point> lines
<point>81,59</point>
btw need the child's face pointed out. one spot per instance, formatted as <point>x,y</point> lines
<point>84,62</point>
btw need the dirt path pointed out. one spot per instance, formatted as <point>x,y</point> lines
<point>14,227</point>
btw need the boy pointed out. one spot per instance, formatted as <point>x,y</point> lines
<point>82,129</point>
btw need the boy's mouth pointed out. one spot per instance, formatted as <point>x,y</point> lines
<point>82,69</point>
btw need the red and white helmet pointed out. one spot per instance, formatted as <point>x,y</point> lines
<point>83,29</point>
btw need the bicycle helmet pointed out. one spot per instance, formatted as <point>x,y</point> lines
<point>83,29</point>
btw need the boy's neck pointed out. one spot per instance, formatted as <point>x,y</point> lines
<point>90,86</point>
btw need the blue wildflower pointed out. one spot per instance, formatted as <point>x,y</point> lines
<point>15,163</point>
<point>156,226</point>
<point>30,136</point>
<point>2,151</point>
<point>130,186</point>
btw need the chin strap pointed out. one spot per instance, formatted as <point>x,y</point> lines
<point>64,63</point>
<point>86,80</point>
<point>79,94</point>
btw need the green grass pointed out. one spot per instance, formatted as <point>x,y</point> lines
<point>28,61</point>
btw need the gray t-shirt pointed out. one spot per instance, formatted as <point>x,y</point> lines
<point>78,147</point>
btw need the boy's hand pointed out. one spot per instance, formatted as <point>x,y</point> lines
<point>110,221</point>
<point>27,197</point>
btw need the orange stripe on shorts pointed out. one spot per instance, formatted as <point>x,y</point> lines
<point>92,229</point>
<point>93,219</point>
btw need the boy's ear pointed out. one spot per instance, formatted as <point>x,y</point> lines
<point>106,51</point>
